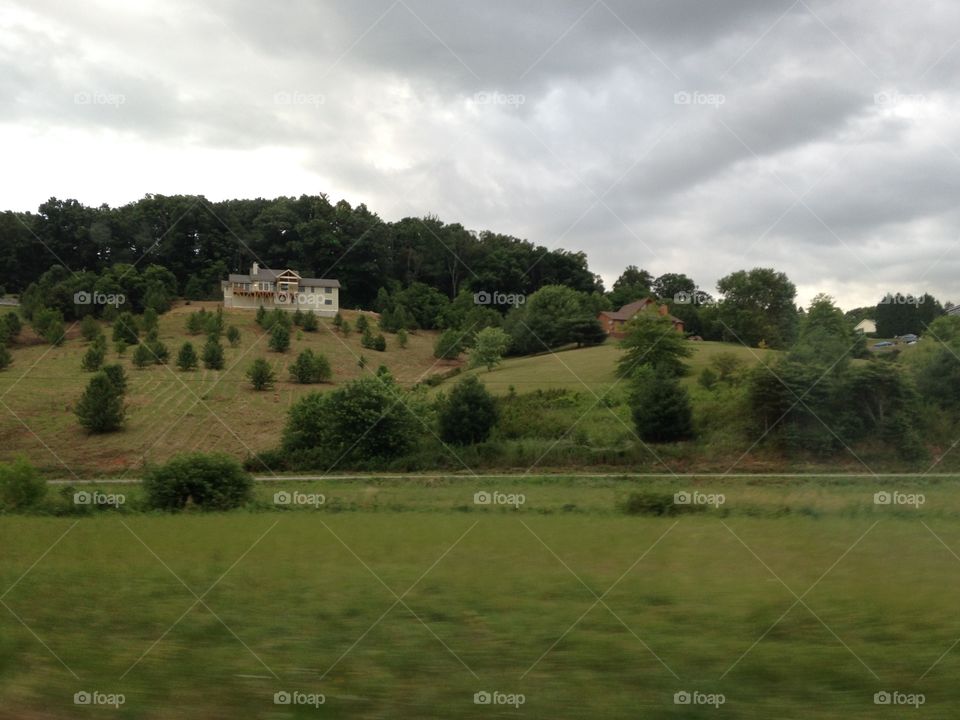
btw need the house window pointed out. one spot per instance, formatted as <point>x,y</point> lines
<point>284,286</point>
<point>328,290</point>
<point>328,301</point>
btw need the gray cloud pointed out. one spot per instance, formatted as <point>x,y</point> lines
<point>673,135</point>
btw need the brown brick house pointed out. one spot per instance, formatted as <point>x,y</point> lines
<point>614,321</point>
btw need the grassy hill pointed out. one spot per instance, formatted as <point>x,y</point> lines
<point>170,411</point>
<point>586,369</point>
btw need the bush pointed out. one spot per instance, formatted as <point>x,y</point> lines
<point>158,351</point>
<point>365,418</point>
<point>374,342</point>
<point>209,482</point>
<point>90,328</point>
<point>362,323</point>
<point>489,345</point>
<point>402,338</point>
<point>338,320</point>
<point>345,328</point>
<point>261,375</point>
<point>101,409</point>
<point>120,347</point>
<point>449,345</point>
<point>150,319</point>
<point>117,376</point>
<point>93,358</point>
<point>213,355</point>
<point>125,328</point>
<point>5,357</point>
<point>261,317</point>
<point>279,337</point>
<point>310,323</point>
<point>13,325</point>
<point>142,356</point>
<point>21,486</point>
<point>48,324</point>
<point>187,357</point>
<point>310,368</point>
<point>233,336</point>
<point>468,415</point>
<point>661,408</point>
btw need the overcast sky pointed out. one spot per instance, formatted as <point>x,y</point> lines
<point>698,136</point>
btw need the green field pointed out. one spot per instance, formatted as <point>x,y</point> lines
<point>491,599</point>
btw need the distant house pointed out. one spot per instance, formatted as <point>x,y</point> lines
<point>614,321</point>
<point>866,327</point>
<point>285,289</point>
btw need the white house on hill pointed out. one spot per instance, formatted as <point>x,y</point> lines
<point>865,327</point>
<point>285,289</point>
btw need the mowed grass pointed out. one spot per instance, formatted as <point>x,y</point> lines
<point>593,370</point>
<point>493,599</point>
<point>171,411</point>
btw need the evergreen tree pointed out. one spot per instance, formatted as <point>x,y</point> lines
<point>187,357</point>
<point>660,408</point>
<point>279,338</point>
<point>92,359</point>
<point>468,415</point>
<point>142,356</point>
<point>213,355</point>
<point>261,375</point>
<point>100,408</point>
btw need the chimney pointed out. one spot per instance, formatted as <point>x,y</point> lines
<point>255,270</point>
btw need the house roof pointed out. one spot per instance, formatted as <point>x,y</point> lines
<point>271,274</point>
<point>629,310</point>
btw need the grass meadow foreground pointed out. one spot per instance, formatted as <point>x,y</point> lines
<point>407,599</point>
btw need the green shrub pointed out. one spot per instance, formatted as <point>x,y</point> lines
<point>21,486</point>
<point>362,323</point>
<point>213,355</point>
<point>279,337</point>
<point>117,376</point>
<point>260,374</point>
<point>5,357</point>
<point>90,328</point>
<point>310,368</point>
<point>310,323</point>
<point>101,409</point>
<point>142,356</point>
<point>469,414</point>
<point>125,328</point>
<point>187,357</point>
<point>92,359</point>
<point>661,408</point>
<point>233,336</point>
<point>449,345</point>
<point>207,481</point>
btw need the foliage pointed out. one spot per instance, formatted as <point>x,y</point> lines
<point>92,359</point>
<point>652,342</point>
<point>117,376</point>
<point>90,328</point>
<point>468,415</point>
<point>233,336</point>
<point>402,338</point>
<point>310,323</point>
<point>489,346</point>
<point>213,355</point>
<point>48,324</point>
<point>660,407</point>
<point>261,375</point>
<point>5,357</point>
<point>310,368</point>
<point>21,485</point>
<point>365,418</point>
<point>187,357</point>
<point>758,305</point>
<point>206,481</point>
<point>279,338</point>
<point>374,342</point>
<point>125,328</point>
<point>449,345</point>
<point>142,356</point>
<point>101,408</point>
